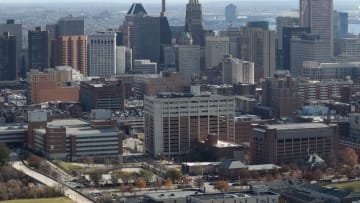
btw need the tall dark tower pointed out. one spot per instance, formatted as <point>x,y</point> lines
<point>194,22</point>
<point>39,49</point>
<point>8,57</point>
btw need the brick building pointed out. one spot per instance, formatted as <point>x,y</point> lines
<point>102,94</point>
<point>71,51</point>
<point>52,85</point>
<point>288,143</point>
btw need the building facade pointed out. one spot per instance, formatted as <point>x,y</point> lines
<point>237,71</point>
<point>288,143</point>
<point>194,22</point>
<point>175,121</point>
<point>71,51</point>
<point>39,49</point>
<point>8,58</point>
<point>215,49</point>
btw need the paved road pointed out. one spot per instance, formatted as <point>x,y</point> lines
<point>50,182</point>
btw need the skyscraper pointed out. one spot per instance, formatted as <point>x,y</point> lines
<point>341,24</point>
<point>102,54</point>
<point>70,25</point>
<point>258,46</point>
<point>7,57</point>
<point>39,49</point>
<point>237,71</point>
<point>71,51</point>
<point>194,22</point>
<point>145,34</point>
<point>318,15</point>
<point>15,30</point>
<point>215,49</point>
<point>281,22</point>
<point>230,13</point>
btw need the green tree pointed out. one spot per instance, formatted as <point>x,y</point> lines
<point>173,174</point>
<point>147,175</point>
<point>4,154</point>
<point>96,176</point>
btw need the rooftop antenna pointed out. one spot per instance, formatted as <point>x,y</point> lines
<point>162,14</point>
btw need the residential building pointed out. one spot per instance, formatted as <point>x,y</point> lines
<point>71,51</point>
<point>175,121</point>
<point>288,143</point>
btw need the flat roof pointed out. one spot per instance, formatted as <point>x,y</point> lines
<point>12,128</point>
<point>201,163</point>
<point>170,195</point>
<point>76,127</point>
<point>231,195</point>
<point>293,126</point>
<point>262,167</point>
<point>223,144</point>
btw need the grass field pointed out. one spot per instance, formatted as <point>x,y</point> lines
<point>68,167</point>
<point>354,185</point>
<point>50,200</point>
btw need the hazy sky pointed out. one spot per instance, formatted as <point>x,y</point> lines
<point>127,1</point>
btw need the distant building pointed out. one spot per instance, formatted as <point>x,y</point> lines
<point>280,93</point>
<point>341,24</point>
<point>39,49</point>
<point>144,67</point>
<point>258,46</point>
<point>151,86</point>
<point>215,49</point>
<point>328,71</point>
<point>102,95</point>
<point>74,140</point>
<point>258,194</point>
<point>172,126</point>
<point>102,45</point>
<point>194,22</point>
<point>52,85</point>
<point>230,13</point>
<point>71,51</point>
<point>8,57</point>
<point>69,26</point>
<point>288,143</point>
<point>264,25</point>
<point>145,34</point>
<point>237,71</point>
<point>282,22</point>
<point>347,49</point>
<point>15,30</point>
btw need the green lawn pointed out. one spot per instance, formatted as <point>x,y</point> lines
<point>355,185</point>
<point>51,200</point>
<point>68,167</point>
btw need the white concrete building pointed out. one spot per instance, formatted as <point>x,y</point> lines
<point>237,71</point>
<point>144,67</point>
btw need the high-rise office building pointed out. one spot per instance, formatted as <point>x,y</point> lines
<point>39,49</point>
<point>281,22</point>
<point>341,24</point>
<point>188,61</point>
<point>145,34</point>
<point>175,121</point>
<point>71,51</point>
<point>15,30</point>
<point>144,67</point>
<point>235,41</point>
<point>258,46</point>
<point>280,93</point>
<point>102,54</point>
<point>230,13</point>
<point>8,57</point>
<point>69,26</point>
<point>237,71</point>
<point>215,49</point>
<point>194,22</point>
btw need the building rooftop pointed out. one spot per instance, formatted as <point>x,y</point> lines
<point>223,144</point>
<point>232,195</point>
<point>13,128</point>
<point>295,126</point>
<point>76,127</point>
<point>157,196</point>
